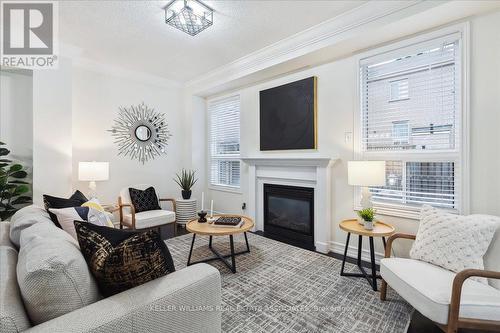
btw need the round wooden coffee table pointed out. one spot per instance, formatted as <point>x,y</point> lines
<point>208,229</point>
<point>380,229</point>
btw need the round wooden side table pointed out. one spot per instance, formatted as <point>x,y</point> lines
<point>209,230</point>
<point>380,229</point>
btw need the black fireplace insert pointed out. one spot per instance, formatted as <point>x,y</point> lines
<point>289,214</point>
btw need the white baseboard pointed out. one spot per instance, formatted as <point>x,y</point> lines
<point>352,251</point>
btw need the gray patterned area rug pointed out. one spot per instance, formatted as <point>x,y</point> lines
<point>282,288</point>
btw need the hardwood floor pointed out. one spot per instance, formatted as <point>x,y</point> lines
<point>418,324</point>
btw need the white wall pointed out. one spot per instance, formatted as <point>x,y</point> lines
<point>97,95</point>
<point>16,117</point>
<point>336,106</point>
<point>485,114</point>
<point>52,131</point>
<point>16,113</point>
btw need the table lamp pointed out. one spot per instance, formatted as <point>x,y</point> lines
<point>364,174</point>
<point>93,172</point>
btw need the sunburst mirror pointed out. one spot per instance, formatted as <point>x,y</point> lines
<point>140,132</point>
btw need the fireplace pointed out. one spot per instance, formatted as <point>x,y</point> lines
<point>289,214</point>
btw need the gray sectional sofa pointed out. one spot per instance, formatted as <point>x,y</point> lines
<point>45,286</point>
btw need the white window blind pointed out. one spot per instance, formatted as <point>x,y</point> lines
<point>224,140</point>
<point>410,117</point>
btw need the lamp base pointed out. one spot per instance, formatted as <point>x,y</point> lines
<point>92,189</point>
<point>366,198</point>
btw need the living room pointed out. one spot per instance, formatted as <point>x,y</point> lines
<point>304,123</point>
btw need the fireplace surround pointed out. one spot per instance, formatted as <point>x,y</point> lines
<point>312,172</point>
<point>289,214</point>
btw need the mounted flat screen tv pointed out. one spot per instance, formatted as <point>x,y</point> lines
<point>288,116</point>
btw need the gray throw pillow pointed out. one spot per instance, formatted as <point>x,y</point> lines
<point>52,274</point>
<point>25,218</point>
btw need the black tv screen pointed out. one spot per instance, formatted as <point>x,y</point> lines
<point>288,116</point>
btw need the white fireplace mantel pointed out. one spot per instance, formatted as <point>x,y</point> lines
<point>314,172</point>
<point>305,161</point>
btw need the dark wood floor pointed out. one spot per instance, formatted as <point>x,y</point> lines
<point>419,323</point>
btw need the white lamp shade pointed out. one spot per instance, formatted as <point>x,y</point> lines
<point>93,171</point>
<point>366,173</point>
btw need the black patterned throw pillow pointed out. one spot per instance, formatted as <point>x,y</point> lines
<point>144,200</point>
<point>123,259</point>
<point>75,200</point>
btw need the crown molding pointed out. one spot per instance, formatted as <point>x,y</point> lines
<point>319,36</point>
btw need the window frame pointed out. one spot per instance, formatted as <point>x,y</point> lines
<point>461,159</point>
<point>228,157</point>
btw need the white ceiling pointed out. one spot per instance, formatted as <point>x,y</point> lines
<point>133,34</point>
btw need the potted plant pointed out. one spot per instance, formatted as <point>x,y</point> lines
<point>368,217</point>
<point>186,180</point>
<point>12,187</point>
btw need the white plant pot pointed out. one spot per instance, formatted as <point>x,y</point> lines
<point>368,225</point>
<point>361,221</point>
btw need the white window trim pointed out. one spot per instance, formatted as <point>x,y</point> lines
<point>464,176</point>
<point>219,187</point>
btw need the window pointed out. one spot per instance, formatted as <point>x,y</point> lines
<point>399,90</point>
<point>401,132</point>
<point>418,137</point>
<point>224,140</point>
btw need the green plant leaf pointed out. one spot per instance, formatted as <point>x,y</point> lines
<point>5,214</point>
<point>3,165</point>
<point>186,179</point>
<point>4,151</point>
<point>19,182</point>
<point>15,167</point>
<point>21,200</point>
<point>4,160</point>
<point>19,174</point>
<point>20,189</point>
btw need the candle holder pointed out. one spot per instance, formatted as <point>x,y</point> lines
<point>202,214</point>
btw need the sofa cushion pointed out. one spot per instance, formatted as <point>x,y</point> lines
<point>150,218</point>
<point>52,274</point>
<point>4,235</point>
<point>25,218</point>
<point>76,199</point>
<point>452,241</point>
<point>428,289</point>
<point>13,317</point>
<point>123,259</point>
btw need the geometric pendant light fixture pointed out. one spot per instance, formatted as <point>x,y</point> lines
<point>190,16</point>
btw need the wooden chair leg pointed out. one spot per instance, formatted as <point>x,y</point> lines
<point>383,290</point>
<point>452,326</point>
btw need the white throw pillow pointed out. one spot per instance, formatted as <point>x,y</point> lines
<point>67,217</point>
<point>454,242</point>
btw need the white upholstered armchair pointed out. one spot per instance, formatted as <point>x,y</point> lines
<point>147,219</point>
<point>451,300</point>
